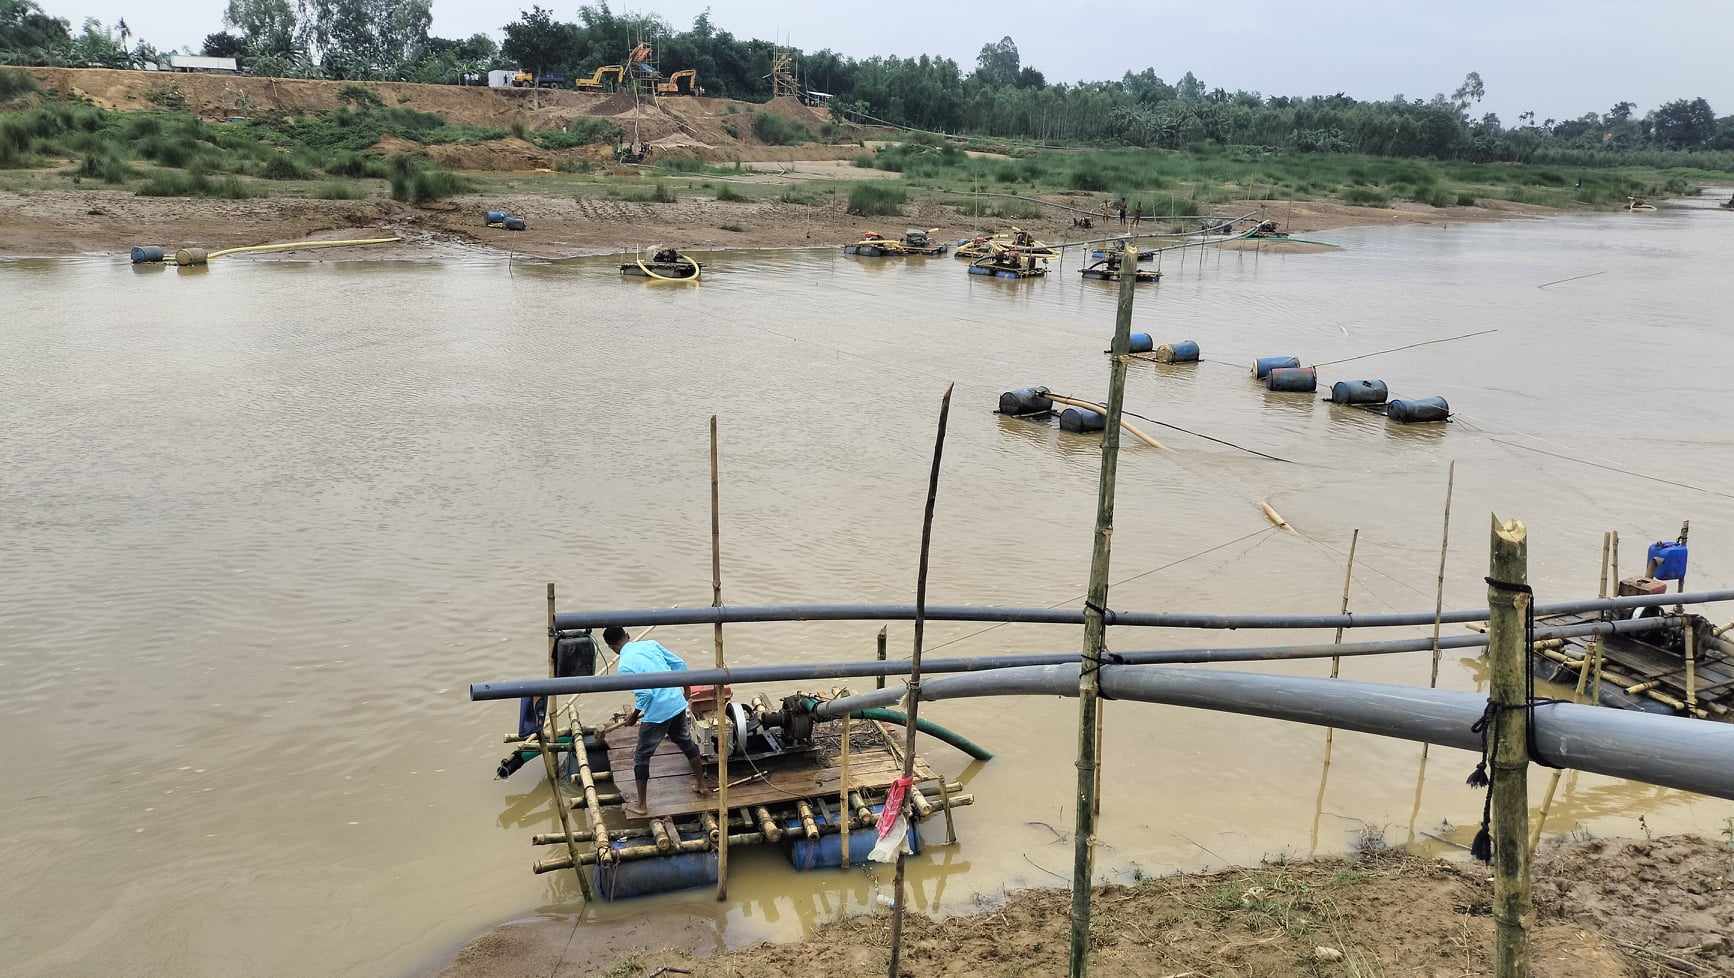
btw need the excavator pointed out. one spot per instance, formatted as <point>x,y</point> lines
<point>595,82</point>
<point>672,86</point>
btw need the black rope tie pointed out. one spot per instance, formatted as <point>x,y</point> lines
<point>1094,663</point>
<point>1482,847</point>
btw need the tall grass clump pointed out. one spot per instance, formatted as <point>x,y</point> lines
<point>282,166</point>
<point>105,166</point>
<point>774,130</point>
<point>15,82</point>
<point>338,190</point>
<point>414,181</point>
<point>582,131</point>
<point>729,194</point>
<point>869,199</point>
<point>1367,197</point>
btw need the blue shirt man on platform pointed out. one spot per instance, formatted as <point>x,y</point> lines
<point>659,713</point>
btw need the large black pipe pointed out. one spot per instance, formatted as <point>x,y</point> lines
<point>804,671</point>
<point>1676,752</point>
<point>729,614</point>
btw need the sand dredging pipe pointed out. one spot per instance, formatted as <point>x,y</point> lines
<point>730,614</point>
<point>1674,752</point>
<point>807,671</point>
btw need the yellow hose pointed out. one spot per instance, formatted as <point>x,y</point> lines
<point>696,271</point>
<point>298,245</point>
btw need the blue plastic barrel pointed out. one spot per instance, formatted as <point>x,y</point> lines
<point>1185,351</point>
<point>1418,409</point>
<point>1264,365</point>
<point>515,224</point>
<point>1669,557</point>
<point>1081,420</point>
<point>658,874</point>
<point>1292,380</point>
<point>1141,343</point>
<point>1359,392</point>
<point>495,217</point>
<point>146,254</point>
<point>826,852</point>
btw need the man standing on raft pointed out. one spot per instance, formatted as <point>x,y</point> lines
<point>658,713</point>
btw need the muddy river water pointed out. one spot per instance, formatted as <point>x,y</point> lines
<point>263,524</point>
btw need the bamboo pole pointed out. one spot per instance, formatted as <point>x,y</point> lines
<point>1439,588</point>
<point>1095,627</point>
<point>552,720</point>
<point>914,694</point>
<point>1348,578</point>
<point>767,825</point>
<point>1613,588</point>
<point>844,813</point>
<point>1583,673</point>
<point>1508,658</point>
<point>804,812</point>
<point>1690,626</point>
<point>879,683</point>
<point>719,712</point>
<point>1336,667</point>
<point>1101,409</point>
<point>945,806</point>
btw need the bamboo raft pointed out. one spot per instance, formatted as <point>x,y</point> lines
<point>1651,672</point>
<point>799,800</point>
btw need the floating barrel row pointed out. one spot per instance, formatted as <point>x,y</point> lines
<point>157,254</point>
<point>1284,374</point>
<point>503,219</point>
<point>1182,351</point>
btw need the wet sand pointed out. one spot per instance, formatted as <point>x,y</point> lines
<point>43,223</point>
<point>1604,909</point>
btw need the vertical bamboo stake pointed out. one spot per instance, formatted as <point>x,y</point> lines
<point>844,819</point>
<point>1439,589</point>
<point>720,700</point>
<point>914,695</point>
<point>542,741</point>
<point>879,683</point>
<point>1583,672</point>
<point>1336,663</point>
<point>1507,657</point>
<point>1691,629</point>
<point>1095,629</point>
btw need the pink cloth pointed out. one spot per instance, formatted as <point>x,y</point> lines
<point>893,804</point>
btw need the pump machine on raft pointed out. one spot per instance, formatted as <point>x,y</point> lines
<point>914,242</point>
<point>786,788</point>
<point>664,264</point>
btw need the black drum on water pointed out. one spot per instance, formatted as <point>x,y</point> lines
<point>1025,400</point>
<point>1081,420</point>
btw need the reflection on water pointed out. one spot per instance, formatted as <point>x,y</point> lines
<point>266,520</point>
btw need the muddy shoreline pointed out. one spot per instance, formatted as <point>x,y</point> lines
<point>52,223</point>
<point>1604,908</point>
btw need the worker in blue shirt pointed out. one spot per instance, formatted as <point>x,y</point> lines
<point>658,713</point>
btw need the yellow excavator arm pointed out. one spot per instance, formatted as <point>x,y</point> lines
<point>594,82</point>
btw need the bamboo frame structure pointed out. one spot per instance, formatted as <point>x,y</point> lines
<point>1095,632</point>
<point>552,721</point>
<point>1508,657</point>
<point>844,816</point>
<point>897,908</point>
<point>1583,673</point>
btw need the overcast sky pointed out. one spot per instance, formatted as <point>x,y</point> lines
<point>1560,59</point>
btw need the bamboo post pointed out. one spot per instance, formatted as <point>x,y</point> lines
<point>1095,628</point>
<point>548,757</point>
<point>1690,625</point>
<point>1336,664</point>
<point>950,823</point>
<point>844,815</point>
<point>1507,655</point>
<point>719,711</point>
<point>879,683</point>
<point>1613,588</point>
<point>1348,578</point>
<point>1439,588</point>
<point>1583,673</point>
<point>914,695</point>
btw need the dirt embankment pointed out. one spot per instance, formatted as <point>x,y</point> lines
<point>1603,909</point>
<point>714,129</point>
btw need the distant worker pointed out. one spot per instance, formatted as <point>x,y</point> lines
<point>658,713</point>
<point>1137,213</point>
<point>1122,212</point>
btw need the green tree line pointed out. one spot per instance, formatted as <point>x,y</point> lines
<point>1000,97</point>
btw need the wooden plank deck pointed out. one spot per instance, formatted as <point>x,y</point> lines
<point>1645,662</point>
<point>872,764</point>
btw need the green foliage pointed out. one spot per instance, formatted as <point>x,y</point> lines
<point>195,185</point>
<point>1013,210</point>
<point>681,164</point>
<point>791,195</point>
<point>729,194</point>
<point>14,83</point>
<point>584,130</point>
<point>168,97</point>
<point>105,166</point>
<point>1086,179</point>
<point>870,199</point>
<point>1465,200</point>
<point>282,166</point>
<point>360,96</point>
<point>1367,197</point>
<point>338,190</point>
<point>415,181</point>
<point>347,164</point>
<point>774,130</point>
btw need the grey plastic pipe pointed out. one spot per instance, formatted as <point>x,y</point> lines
<point>806,671</point>
<point>1065,616</point>
<point>1675,752</point>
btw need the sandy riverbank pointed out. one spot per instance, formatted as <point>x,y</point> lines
<point>1604,908</point>
<point>65,222</point>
